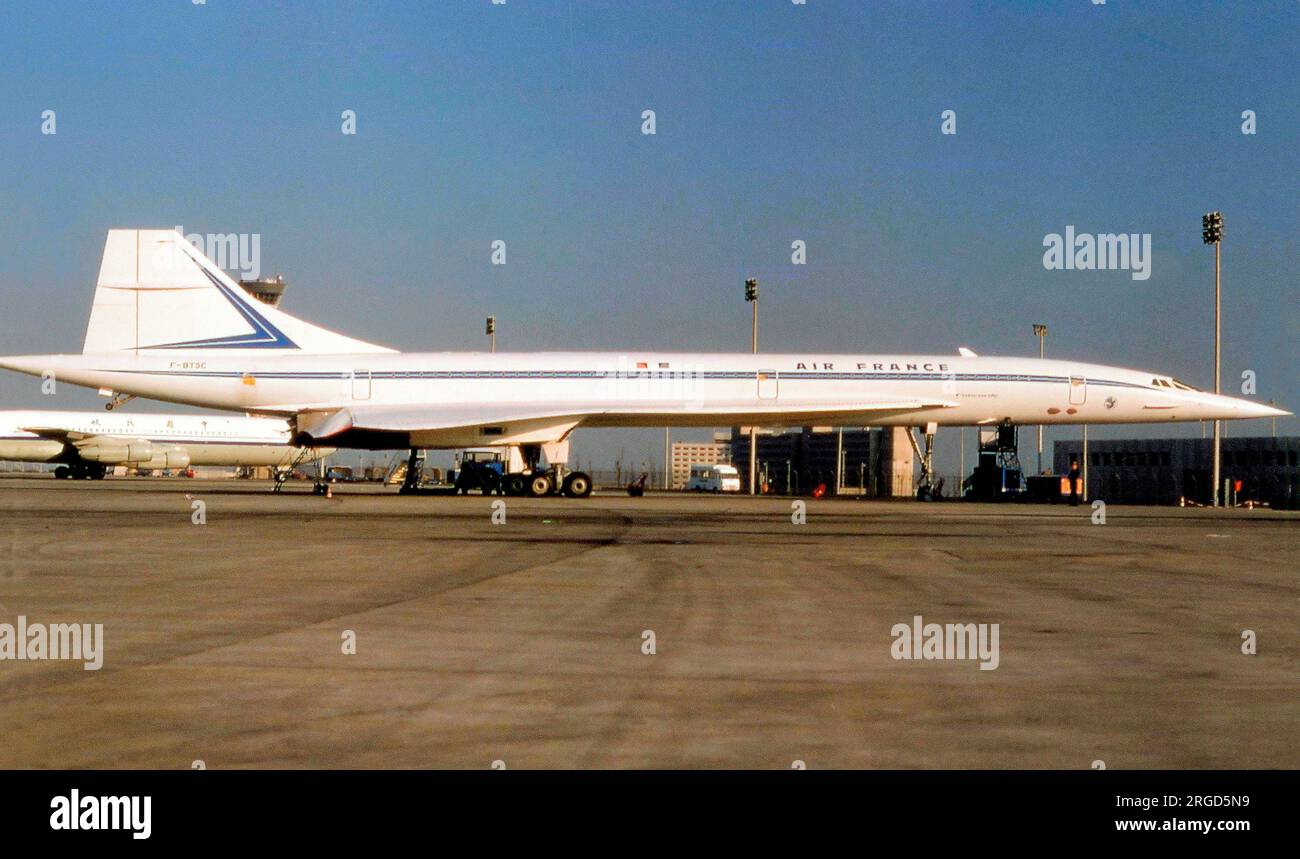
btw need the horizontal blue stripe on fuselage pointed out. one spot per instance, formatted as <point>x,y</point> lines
<point>711,375</point>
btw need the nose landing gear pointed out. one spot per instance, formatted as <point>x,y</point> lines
<point>927,488</point>
<point>117,401</point>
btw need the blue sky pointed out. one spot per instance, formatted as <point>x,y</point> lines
<point>774,121</point>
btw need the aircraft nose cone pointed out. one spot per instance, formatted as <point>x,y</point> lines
<point>1259,410</point>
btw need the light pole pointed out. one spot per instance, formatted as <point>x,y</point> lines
<point>1273,405</point>
<point>751,295</point>
<point>1040,331</point>
<point>667,463</point>
<point>1212,234</point>
<point>491,330</point>
<point>961,467</point>
<point>839,462</point>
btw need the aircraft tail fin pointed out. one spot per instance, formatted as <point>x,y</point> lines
<point>156,292</point>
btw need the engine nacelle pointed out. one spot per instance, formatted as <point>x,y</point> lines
<point>170,458</point>
<point>117,453</point>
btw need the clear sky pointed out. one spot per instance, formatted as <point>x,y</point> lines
<point>775,122</point>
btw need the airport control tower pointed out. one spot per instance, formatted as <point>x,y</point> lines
<point>268,290</point>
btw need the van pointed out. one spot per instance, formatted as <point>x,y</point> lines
<point>714,478</point>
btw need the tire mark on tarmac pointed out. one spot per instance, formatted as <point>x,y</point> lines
<point>32,684</point>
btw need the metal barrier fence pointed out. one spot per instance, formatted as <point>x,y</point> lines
<point>10,467</point>
<point>800,486</point>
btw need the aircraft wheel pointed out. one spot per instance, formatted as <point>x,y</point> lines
<point>540,486</point>
<point>62,473</point>
<point>577,485</point>
<point>516,484</point>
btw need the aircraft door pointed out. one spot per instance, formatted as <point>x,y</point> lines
<point>360,384</point>
<point>1078,390</point>
<point>769,384</point>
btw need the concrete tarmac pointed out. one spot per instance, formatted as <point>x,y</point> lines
<point>523,642</point>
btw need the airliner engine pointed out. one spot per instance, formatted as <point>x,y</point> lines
<point>141,454</point>
<point>116,452</point>
<point>173,458</point>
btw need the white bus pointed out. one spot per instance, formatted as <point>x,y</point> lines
<point>714,478</point>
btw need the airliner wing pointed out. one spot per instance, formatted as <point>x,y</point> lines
<point>57,433</point>
<point>508,420</point>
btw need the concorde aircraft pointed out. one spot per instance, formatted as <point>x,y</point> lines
<point>86,444</point>
<point>169,324</point>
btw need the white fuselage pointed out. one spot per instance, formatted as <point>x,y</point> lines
<point>691,386</point>
<point>168,324</point>
<point>149,440</point>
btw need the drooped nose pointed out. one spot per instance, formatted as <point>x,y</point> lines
<point>1218,407</point>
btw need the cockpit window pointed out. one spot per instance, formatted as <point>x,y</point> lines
<point>1184,386</point>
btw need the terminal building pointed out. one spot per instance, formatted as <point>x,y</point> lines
<point>688,453</point>
<point>1265,470</point>
<point>876,462</point>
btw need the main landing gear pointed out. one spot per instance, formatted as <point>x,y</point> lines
<point>491,476</point>
<point>539,482</point>
<point>414,472</point>
<point>80,472</point>
<point>576,485</point>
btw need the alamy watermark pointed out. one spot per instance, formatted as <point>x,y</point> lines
<point>1103,251</point>
<point>927,641</point>
<point>237,252</point>
<point>653,382</point>
<point>39,641</point>
<point>131,813</point>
